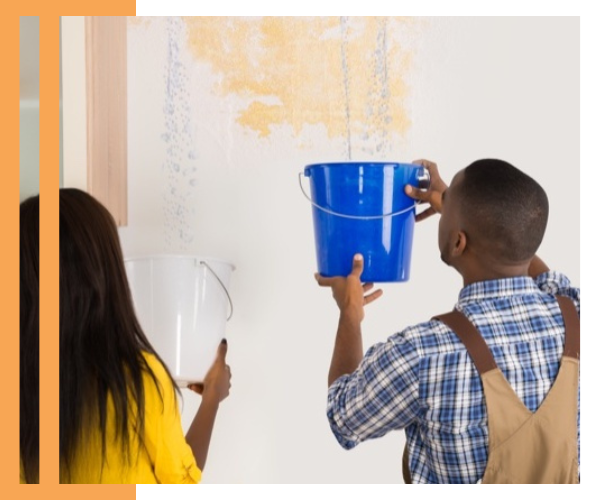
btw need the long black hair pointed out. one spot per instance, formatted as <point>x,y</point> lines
<point>29,340</point>
<point>101,341</point>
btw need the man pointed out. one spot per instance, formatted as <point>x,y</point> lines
<point>493,218</point>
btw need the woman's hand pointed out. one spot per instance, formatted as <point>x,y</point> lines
<point>433,195</point>
<point>214,389</point>
<point>217,381</point>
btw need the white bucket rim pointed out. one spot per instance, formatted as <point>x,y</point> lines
<point>177,256</point>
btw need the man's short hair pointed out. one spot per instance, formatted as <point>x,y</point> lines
<point>506,210</point>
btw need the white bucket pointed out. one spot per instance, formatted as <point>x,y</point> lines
<point>182,303</point>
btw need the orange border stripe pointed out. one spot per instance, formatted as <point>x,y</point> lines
<point>9,200</point>
<point>49,13</point>
<point>49,247</point>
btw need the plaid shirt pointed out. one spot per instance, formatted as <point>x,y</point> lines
<point>423,380</point>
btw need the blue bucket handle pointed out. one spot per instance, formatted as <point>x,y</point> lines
<point>424,179</point>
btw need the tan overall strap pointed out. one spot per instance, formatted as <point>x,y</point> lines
<point>469,335</point>
<point>477,349</point>
<point>405,467</point>
<point>482,356</point>
<point>572,326</point>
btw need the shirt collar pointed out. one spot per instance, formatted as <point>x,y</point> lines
<point>505,287</point>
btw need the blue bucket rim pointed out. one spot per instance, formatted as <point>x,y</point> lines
<point>360,164</point>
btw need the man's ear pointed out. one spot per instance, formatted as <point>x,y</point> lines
<point>460,244</point>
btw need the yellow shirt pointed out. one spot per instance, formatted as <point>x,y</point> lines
<point>165,457</point>
<point>21,473</point>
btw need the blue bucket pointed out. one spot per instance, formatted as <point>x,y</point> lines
<point>362,208</point>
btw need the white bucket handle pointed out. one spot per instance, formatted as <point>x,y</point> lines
<point>361,217</point>
<point>204,263</point>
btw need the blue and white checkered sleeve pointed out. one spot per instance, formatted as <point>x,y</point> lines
<point>558,284</point>
<point>380,396</point>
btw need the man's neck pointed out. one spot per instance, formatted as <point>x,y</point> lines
<point>492,271</point>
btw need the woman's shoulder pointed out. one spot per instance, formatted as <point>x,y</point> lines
<point>153,362</point>
<point>159,376</point>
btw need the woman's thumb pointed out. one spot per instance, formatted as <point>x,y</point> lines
<point>222,351</point>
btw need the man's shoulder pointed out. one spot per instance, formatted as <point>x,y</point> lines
<point>428,338</point>
<point>554,282</point>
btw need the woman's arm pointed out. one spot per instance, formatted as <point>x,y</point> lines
<point>214,389</point>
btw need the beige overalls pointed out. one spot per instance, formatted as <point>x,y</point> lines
<point>526,447</point>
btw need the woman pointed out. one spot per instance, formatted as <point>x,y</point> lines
<point>119,416</point>
<point>29,343</point>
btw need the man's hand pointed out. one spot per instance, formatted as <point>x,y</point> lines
<point>433,195</point>
<point>349,292</point>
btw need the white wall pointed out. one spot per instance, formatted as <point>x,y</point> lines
<point>73,92</point>
<point>29,149</point>
<point>29,106</point>
<point>477,87</point>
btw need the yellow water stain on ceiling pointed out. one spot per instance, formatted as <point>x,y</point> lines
<point>347,74</point>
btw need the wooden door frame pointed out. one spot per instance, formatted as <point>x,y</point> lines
<point>106,87</point>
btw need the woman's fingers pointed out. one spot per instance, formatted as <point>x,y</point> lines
<point>197,388</point>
